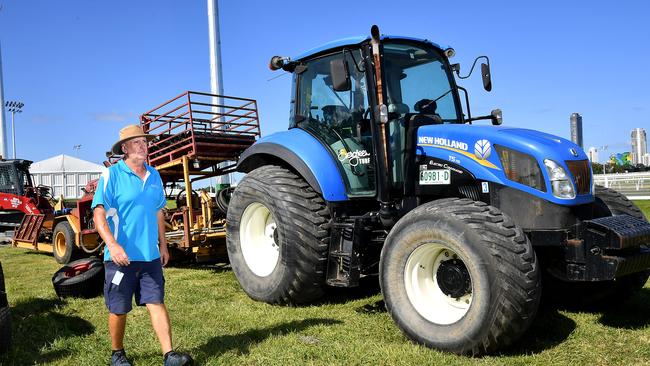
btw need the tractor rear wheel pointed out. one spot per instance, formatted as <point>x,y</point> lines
<point>459,276</point>
<point>63,246</point>
<point>278,235</point>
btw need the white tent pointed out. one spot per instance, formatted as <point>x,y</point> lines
<point>65,174</point>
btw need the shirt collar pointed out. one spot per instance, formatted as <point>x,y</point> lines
<point>125,168</point>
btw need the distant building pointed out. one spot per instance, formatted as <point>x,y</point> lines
<point>646,159</point>
<point>639,145</point>
<point>65,174</point>
<point>576,129</point>
<point>593,154</point>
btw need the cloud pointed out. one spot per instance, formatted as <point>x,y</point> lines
<point>110,117</point>
<point>42,118</point>
<point>638,109</point>
<point>543,110</point>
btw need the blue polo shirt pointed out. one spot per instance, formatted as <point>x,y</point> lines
<point>131,205</point>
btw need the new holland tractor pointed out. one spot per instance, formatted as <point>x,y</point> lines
<point>383,172</point>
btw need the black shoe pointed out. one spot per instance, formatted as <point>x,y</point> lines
<point>118,358</point>
<point>178,359</point>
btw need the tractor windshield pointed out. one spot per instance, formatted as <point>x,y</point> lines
<point>418,80</point>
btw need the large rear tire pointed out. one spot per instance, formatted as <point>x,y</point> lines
<point>459,276</point>
<point>63,246</point>
<point>5,316</point>
<point>278,235</point>
<point>5,329</point>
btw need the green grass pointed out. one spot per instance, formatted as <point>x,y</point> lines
<point>218,324</point>
<point>644,206</point>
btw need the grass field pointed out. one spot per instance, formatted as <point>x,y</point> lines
<point>218,324</point>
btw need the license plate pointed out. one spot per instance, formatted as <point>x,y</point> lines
<point>435,176</point>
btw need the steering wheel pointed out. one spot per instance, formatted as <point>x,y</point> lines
<point>181,198</point>
<point>44,191</point>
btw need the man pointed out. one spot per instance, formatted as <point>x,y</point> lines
<point>127,212</point>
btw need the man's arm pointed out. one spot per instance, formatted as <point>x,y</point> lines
<point>162,240</point>
<point>118,255</point>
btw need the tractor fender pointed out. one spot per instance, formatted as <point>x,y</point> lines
<point>301,152</point>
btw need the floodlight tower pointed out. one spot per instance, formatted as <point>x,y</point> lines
<point>14,107</point>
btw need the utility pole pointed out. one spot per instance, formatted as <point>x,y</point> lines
<point>3,123</point>
<point>216,78</point>
<point>14,107</point>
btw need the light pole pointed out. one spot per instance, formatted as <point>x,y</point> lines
<point>14,107</point>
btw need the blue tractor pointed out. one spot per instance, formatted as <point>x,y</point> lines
<point>382,172</point>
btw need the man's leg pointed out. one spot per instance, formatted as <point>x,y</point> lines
<point>160,324</point>
<point>116,326</point>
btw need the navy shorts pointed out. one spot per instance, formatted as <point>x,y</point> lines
<point>143,279</point>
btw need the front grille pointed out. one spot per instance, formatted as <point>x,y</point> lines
<point>581,175</point>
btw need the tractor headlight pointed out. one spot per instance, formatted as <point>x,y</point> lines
<point>560,180</point>
<point>521,168</point>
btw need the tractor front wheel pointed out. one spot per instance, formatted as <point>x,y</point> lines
<point>63,243</point>
<point>278,234</point>
<point>459,276</point>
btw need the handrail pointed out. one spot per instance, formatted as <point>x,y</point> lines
<point>195,123</point>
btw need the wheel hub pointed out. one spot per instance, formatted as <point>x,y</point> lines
<point>259,239</point>
<point>453,278</point>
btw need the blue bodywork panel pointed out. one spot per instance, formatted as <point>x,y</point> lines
<point>353,41</point>
<point>315,157</point>
<point>458,143</point>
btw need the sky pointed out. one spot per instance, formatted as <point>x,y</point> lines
<point>84,69</point>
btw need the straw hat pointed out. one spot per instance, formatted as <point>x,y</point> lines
<point>127,133</point>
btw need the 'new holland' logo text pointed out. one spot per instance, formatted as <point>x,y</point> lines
<point>442,142</point>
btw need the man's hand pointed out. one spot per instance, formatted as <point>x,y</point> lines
<point>118,255</point>
<point>164,255</point>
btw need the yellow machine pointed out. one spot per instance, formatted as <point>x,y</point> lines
<point>197,136</point>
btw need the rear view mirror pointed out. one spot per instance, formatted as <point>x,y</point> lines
<point>487,79</point>
<point>340,75</point>
<point>497,117</point>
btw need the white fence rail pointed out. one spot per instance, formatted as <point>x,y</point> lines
<point>635,186</point>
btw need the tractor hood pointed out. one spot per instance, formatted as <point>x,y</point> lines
<point>473,148</point>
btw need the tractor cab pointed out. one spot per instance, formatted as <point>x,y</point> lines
<point>335,100</point>
<point>14,177</point>
<point>366,113</point>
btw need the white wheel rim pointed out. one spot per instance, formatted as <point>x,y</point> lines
<point>257,237</point>
<point>422,286</point>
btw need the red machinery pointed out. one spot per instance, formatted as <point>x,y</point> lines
<point>18,196</point>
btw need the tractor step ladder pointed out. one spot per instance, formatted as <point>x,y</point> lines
<point>29,229</point>
<point>344,267</point>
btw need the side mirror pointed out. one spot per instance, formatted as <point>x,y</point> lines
<point>497,117</point>
<point>487,80</point>
<point>276,62</point>
<point>340,75</point>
